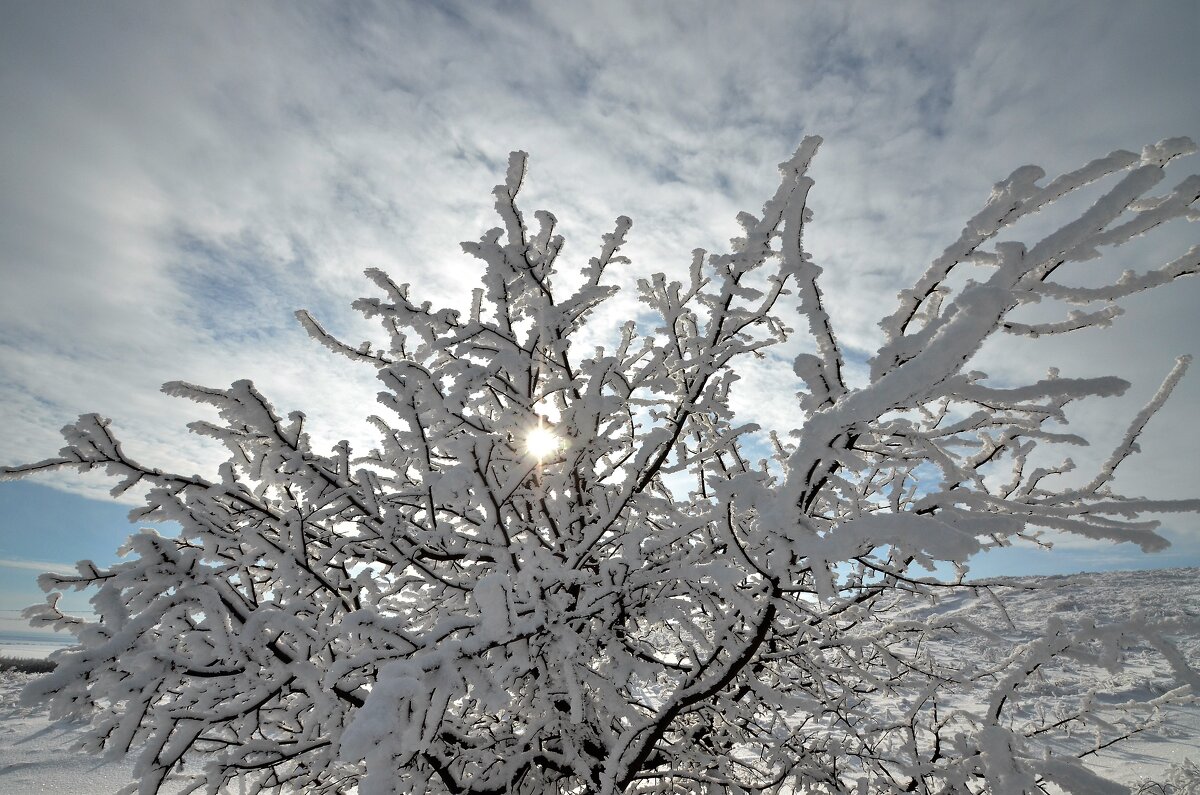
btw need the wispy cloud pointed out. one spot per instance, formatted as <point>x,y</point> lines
<point>40,566</point>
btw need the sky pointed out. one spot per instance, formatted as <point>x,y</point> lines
<point>177,179</point>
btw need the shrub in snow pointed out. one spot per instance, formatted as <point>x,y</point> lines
<point>638,606</point>
<point>1182,778</point>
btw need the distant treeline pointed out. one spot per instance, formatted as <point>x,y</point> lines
<point>27,665</point>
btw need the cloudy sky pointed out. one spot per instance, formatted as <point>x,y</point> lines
<point>176,179</point>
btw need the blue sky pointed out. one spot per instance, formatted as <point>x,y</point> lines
<point>179,178</point>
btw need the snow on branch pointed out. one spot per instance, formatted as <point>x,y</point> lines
<point>631,605</point>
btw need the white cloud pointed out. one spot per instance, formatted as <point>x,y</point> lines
<point>39,566</point>
<point>179,178</point>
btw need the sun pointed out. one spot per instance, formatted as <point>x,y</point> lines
<point>542,442</point>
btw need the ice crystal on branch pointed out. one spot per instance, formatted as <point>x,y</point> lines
<point>470,607</point>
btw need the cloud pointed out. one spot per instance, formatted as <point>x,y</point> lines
<point>179,179</point>
<point>40,566</point>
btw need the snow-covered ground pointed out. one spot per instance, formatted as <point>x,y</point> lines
<point>1109,597</point>
<point>36,756</point>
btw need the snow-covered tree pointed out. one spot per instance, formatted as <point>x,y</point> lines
<point>567,571</point>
